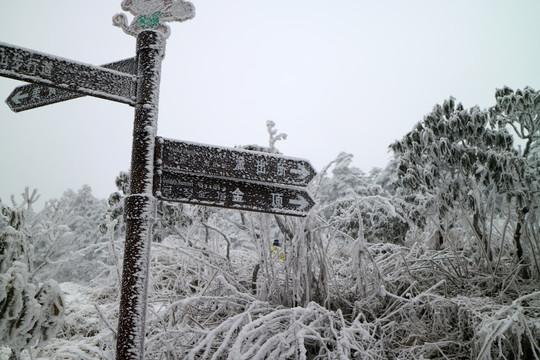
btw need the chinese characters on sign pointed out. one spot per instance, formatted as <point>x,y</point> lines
<point>51,71</point>
<point>31,96</point>
<point>20,61</point>
<point>231,178</point>
<point>234,163</point>
<point>200,189</point>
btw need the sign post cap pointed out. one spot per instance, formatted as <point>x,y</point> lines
<point>152,15</point>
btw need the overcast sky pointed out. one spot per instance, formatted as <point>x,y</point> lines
<point>341,75</point>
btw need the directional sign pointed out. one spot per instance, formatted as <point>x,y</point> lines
<point>233,163</point>
<point>170,185</point>
<point>38,68</point>
<point>31,96</point>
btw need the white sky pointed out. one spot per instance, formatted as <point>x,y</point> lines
<point>341,75</point>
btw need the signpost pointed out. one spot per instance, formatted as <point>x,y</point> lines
<point>231,178</point>
<point>231,193</point>
<point>171,170</point>
<point>233,163</point>
<point>38,68</point>
<point>31,96</point>
<point>139,206</point>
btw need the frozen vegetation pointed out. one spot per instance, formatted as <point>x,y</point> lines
<point>436,256</point>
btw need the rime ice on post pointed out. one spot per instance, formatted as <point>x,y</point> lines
<point>151,32</point>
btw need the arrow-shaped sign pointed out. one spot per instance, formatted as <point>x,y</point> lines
<point>230,193</point>
<point>302,172</point>
<point>233,163</point>
<point>31,96</point>
<point>17,96</point>
<point>52,71</point>
<point>301,202</point>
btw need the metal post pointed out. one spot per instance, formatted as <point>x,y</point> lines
<point>140,204</point>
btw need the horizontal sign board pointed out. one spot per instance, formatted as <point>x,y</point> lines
<point>32,96</point>
<point>38,68</point>
<point>233,163</point>
<point>170,185</point>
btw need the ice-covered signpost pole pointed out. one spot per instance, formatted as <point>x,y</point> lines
<point>151,31</point>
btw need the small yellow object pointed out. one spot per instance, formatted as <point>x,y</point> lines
<point>277,252</point>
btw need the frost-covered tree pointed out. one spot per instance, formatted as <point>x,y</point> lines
<point>30,312</point>
<point>520,111</point>
<point>455,162</point>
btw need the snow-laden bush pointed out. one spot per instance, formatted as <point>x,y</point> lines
<point>30,313</point>
<point>68,244</point>
<point>263,332</point>
<point>360,204</point>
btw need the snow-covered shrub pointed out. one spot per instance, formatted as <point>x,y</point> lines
<point>67,240</point>
<point>310,332</point>
<point>88,329</point>
<point>362,205</point>
<point>30,313</point>
<point>510,331</point>
<point>426,307</point>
